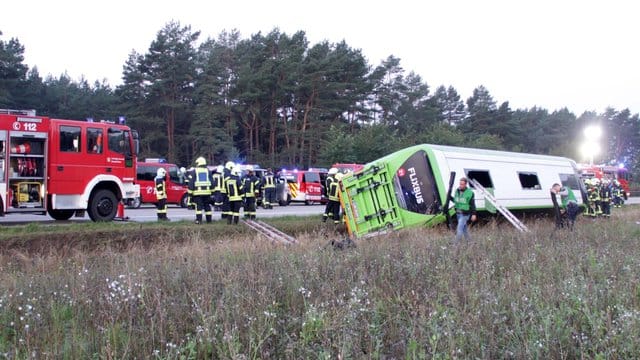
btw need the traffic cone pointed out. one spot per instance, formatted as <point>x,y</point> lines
<point>21,149</point>
<point>120,214</point>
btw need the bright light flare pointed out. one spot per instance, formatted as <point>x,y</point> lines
<point>593,132</point>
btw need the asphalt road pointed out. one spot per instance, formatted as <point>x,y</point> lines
<point>148,213</point>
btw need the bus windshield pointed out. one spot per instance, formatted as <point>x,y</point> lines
<point>415,185</point>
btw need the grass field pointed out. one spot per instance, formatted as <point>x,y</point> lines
<point>120,291</point>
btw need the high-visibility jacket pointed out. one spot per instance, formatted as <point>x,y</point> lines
<point>217,182</point>
<point>250,184</point>
<point>201,181</point>
<point>332,188</point>
<point>234,188</point>
<point>161,189</point>
<point>268,181</point>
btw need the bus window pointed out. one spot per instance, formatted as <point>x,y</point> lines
<point>481,176</point>
<point>415,185</point>
<point>529,181</point>
<point>570,181</point>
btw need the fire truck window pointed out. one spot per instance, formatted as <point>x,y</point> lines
<point>94,141</point>
<point>116,140</point>
<point>311,177</point>
<point>69,139</point>
<point>529,181</point>
<point>174,175</point>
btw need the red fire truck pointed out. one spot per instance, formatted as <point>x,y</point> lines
<point>299,186</point>
<point>610,172</point>
<point>65,167</point>
<point>175,186</point>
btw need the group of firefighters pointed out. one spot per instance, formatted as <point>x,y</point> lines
<point>227,190</point>
<point>224,188</point>
<point>602,194</point>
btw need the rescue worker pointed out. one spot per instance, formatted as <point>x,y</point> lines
<point>161,194</point>
<point>333,205</point>
<point>269,185</point>
<point>250,185</point>
<point>218,186</point>
<point>226,173</point>
<point>234,193</point>
<point>186,177</point>
<point>570,208</point>
<point>593,197</point>
<point>465,205</point>
<point>618,194</point>
<point>605,197</point>
<point>200,186</point>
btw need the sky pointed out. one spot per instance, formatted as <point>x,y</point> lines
<point>582,55</point>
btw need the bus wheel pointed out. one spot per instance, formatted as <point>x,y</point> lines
<point>183,201</point>
<point>103,206</point>
<point>61,214</point>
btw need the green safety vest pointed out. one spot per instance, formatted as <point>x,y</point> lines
<point>569,197</point>
<point>462,200</point>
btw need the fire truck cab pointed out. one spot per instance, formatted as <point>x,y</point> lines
<point>65,167</point>
<point>146,174</point>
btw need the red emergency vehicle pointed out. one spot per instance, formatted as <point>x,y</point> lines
<point>610,172</point>
<point>301,186</point>
<point>65,167</point>
<point>175,186</point>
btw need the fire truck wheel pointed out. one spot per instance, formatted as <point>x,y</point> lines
<point>61,214</point>
<point>135,203</point>
<point>183,201</point>
<point>103,206</point>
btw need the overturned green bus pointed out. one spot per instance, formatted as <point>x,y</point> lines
<point>410,187</point>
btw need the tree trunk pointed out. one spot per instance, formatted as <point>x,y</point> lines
<point>305,122</point>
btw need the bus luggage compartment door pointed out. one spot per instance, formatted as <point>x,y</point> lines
<point>369,202</point>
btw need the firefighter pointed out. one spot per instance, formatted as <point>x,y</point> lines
<point>200,186</point>
<point>186,176</point>
<point>269,185</point>
<point>218,185</point>
<point>605,197</point>
<point>593,196</point>
<point>250,185</point>
<point>333,206</point>
<point>234,193</point>
<point>226,173</point>
<point>161,194</point>
<point>618,194</point>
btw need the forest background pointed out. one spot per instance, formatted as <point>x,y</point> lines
<point>279,101</point>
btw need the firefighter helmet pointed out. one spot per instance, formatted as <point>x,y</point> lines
<point>161,173</point>
<point>219,169</point>
<point>183,170</point>
<point>235,171</point>
<point>333,171</point>
<point>229,165</point>
<point>201,161</point>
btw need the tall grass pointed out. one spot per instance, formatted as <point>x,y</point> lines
<point>411,294</point>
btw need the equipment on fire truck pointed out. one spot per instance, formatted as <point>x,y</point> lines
<point>21,149</point>
<point>26,194</point>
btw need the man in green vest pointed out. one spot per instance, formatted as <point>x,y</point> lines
<point>465,206</point>
<point>570,208</point>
